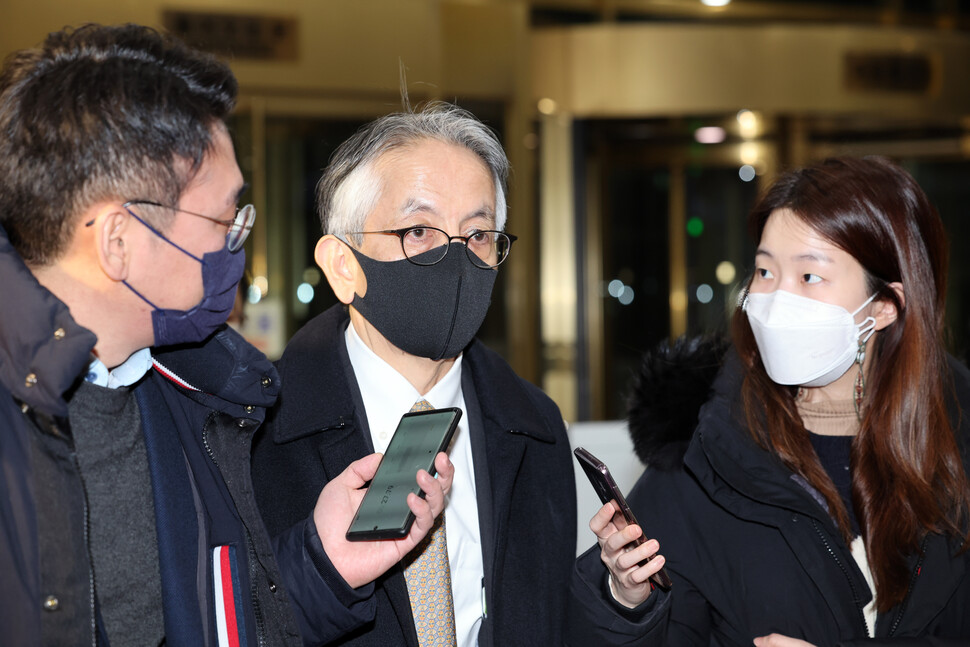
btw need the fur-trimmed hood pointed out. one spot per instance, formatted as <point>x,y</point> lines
<point>666,394</point>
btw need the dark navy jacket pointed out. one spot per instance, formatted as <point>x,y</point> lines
<point>752,552</point>
<point>197,443</point>
<point>523,469</point>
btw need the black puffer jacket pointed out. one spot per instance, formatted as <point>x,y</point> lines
<point>749,549</point>
<point>197,441</point>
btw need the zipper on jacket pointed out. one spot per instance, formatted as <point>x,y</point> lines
<point>253,572</point>
<point>253,594</point>
<point>912,583</point>
<point>845,571</point>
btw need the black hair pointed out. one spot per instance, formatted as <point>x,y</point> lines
<point>101,113</point>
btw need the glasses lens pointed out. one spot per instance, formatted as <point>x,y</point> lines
<point>424,245</point>
<point>242,224</point>
<point>488,248</point>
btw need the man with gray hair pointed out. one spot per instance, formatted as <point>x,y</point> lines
<point>413,211</point>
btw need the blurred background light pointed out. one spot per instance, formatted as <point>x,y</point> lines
<point>705,293</point>
<point>304,293</point>
<point>695,227</point>
<point>547,106</point>
<point>709,135</point>
<point>312,275</point>
<point>615,288</point>
<point>725,272</point>
<point>748,123</point>
<point>749,153</point>
<point>626,296</point>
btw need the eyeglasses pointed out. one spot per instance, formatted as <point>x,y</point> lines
<point>429,245</point>
<point>239,226</point>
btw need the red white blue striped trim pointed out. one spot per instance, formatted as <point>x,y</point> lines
<point>230,620</point>
<point>170,374</point>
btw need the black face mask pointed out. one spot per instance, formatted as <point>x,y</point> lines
<point>429,311</point>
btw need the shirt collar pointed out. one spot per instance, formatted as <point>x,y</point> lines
<point>386,393</point>
<point>125,374</point>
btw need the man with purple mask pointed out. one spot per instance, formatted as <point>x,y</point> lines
<point>127,408</point>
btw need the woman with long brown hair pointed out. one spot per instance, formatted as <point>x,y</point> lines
<point>823,497</point>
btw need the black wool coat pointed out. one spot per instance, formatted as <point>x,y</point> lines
<point>750,549</point>
<point>523,469</point>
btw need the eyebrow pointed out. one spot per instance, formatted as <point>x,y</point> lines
<point>485,212</point>
<point>817,257</point>
<point>414,205</point>
<point>240,193</point>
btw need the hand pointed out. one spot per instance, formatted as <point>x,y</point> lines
<point>361,562</point>
<point>777,640</point>
<point>629,581</point>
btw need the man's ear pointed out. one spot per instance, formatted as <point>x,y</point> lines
<point>339,265</point>
<point>885,311</point>
<point>111,226</point>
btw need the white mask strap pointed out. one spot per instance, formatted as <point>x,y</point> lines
<point>868,325</point>
<point>867,302</point>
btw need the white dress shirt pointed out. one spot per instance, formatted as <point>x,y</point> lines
<point>387,396</point>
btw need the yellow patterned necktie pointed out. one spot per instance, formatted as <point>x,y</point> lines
<point>428,577</point>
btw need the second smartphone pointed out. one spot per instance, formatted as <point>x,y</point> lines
<point>599,475</point>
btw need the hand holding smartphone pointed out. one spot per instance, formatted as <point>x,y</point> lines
<point>384,511</point>
<point>599,475</point>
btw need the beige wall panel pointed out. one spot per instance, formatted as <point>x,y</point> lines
<point>640,70</point>
<point>353,46</point>
<point>482,48</point>
<point>26,23</point>
<point>346,47</point>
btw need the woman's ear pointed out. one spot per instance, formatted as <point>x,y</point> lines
<point>885,311</point>
<point>343,273</point>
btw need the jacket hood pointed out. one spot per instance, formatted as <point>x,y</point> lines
<point>43,351</point>
<point>666,395</point>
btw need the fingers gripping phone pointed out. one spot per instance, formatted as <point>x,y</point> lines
<point>599,475</point>
<point>383,512</point>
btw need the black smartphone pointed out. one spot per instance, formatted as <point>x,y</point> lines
<point>383,513</point>
<point>599,475</point>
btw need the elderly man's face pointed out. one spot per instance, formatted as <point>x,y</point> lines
<point>434,184</point>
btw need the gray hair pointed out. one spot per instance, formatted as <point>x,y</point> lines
<point>350,187</point>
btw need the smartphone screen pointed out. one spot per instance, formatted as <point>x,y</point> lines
<point>384,512</point>
<point>599,475</point>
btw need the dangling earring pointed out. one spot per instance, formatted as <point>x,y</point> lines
<point>860,380</point>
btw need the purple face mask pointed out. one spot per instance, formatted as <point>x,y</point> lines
<point>221,272</point>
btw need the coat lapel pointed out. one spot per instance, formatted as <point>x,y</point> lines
<point>316,368</point>
<point>507,431</point>
<point>341,446</point>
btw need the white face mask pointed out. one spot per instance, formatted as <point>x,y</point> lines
<point>802,341</point>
